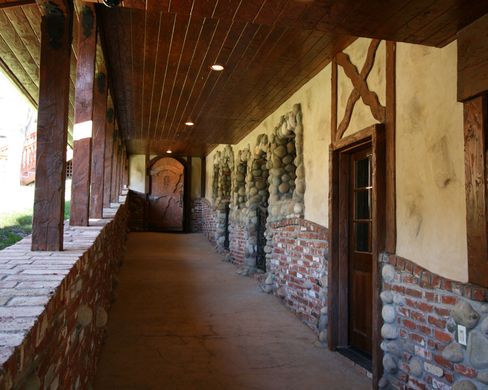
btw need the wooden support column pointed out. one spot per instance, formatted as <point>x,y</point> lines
<point>187,196</point>
<point>82,137</point>
<point>98,147</point>
<point>115,170</point>
<point>203,179</point>
<point>114,165</point>
<point>52,127</point>
<point>109,149</point>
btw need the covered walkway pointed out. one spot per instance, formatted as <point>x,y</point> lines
<point>184,320</point>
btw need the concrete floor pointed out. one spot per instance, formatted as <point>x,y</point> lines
<point>184,319</point>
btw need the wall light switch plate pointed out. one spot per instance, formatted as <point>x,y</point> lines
<point>462,335</point>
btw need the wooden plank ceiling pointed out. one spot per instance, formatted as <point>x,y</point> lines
<point>159,54</point>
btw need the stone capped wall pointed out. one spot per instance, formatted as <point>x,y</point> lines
<point>223,175</point>
<point>297,263</point>
<point>421,311</point>
<point>54,306</point>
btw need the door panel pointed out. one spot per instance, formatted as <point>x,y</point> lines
<point>166,195</point>
<point>360,248</point>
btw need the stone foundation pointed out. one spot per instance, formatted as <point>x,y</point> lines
<point>297,268</point>
<point>421,311</point>
<point>54,306</point>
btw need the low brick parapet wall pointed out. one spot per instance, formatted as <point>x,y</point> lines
<point>54,305</point>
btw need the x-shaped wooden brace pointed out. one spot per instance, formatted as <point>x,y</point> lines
<point>361,89</point>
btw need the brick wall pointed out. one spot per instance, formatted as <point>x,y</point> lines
<point>298,263</point>
<point>196,215</point>
<point>209,220</point>
<point>54,306</point>
<point>238,242</point>
<point>421,311</point>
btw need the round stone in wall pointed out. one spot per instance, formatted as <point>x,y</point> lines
<point>388,273</point>
<point>464,314</point>
<point>283,188</point>
<point>280,151</point>
<point>388,313</point>
<point>464,385</point>
<point>454,352</point>
<point>84,315</point>
<point>415,365</point>
<point>389,331</point>
<point>389,364</point>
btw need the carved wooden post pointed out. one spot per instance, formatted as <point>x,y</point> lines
<point>85,74</point>
<point>109,148</point>
<point>52,126</point>
<point>98,147</point>
<point>115,169</point>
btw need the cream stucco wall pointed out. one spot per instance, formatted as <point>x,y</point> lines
<point>137,172</point>
<point>431,208</point>
<point>315,100</point>
<point>196,177</point>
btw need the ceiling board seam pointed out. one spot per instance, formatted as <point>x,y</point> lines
<point>154,75</point>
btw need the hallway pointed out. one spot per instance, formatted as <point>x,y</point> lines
<point>183,319</point>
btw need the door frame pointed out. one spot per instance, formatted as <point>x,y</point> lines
<point>186,187</point>
<point>338,305</point>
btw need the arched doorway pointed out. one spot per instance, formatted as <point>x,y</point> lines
<point>167,195</point>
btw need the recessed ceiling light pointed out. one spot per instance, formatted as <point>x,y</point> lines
<point>217,67</point>
<point>189,123</point>
<point>169,151</point>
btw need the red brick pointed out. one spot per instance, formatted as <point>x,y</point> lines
<point>449,300</point>
<point>417,316</point>
<point>442,362</point>
<point>409,324</point>
<point>437,322</point>
<point>413,293</point>
<point>466,371</point>
<point>416,338</point>
<point>442,336</point>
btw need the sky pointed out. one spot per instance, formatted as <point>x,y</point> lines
<point>14,107</point>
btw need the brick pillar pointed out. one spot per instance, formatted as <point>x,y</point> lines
<point>52,127</point>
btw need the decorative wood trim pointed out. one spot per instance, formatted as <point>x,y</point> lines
<point>390,124</point>
<point>475,143</point>
<point>52,132</point>
<point>353,139</point>
<point>360,90</point>
<point>338,236</point>
<point>333,120</point>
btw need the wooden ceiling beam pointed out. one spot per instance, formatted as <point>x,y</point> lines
<point>16,3</point>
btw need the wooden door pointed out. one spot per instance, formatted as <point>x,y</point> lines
<point>360,252</point>
<point>166,195</point>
